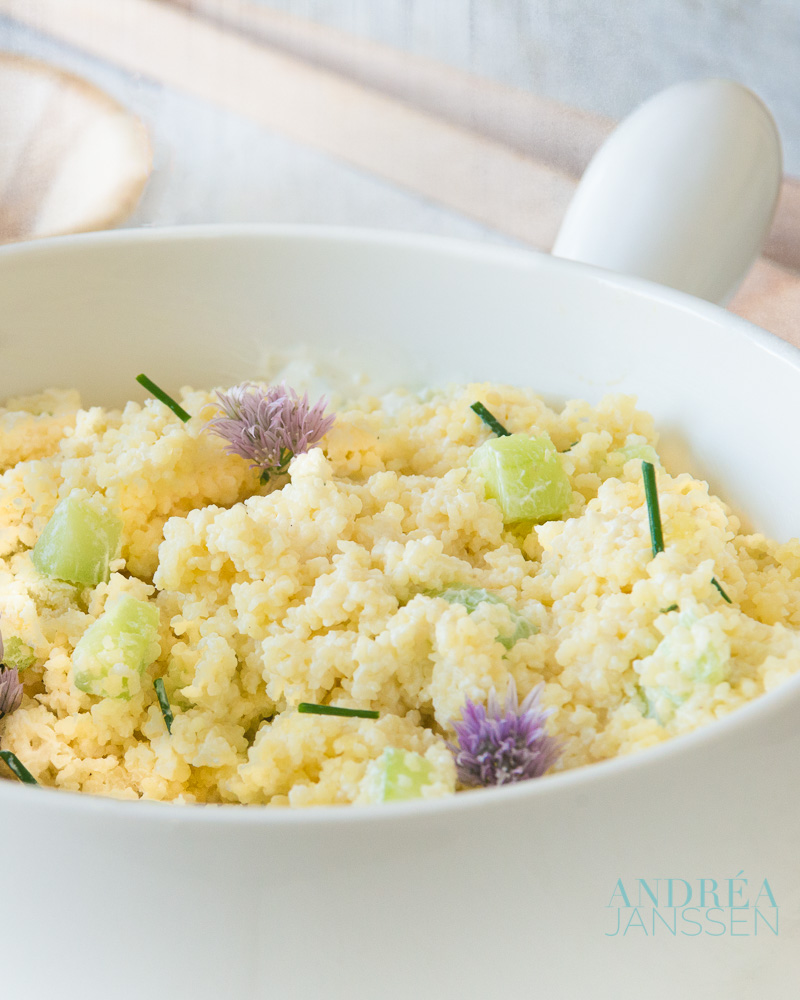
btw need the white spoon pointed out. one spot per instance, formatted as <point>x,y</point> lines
<point>682,192</point>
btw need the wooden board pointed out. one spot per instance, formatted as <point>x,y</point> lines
<point>508,159</point>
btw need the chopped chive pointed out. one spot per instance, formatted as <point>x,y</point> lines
<point>163,701</point>
<point>570,447</point>
<point>308,708</point>
<point>17,768</point>
<point>490,420</point>
<point>719,588</point>
<point>653,513</point>
<point>154,390</point>
<point>666,611</point>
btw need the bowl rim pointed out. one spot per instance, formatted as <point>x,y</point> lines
<point>517,256</point>
<point>553,785</point>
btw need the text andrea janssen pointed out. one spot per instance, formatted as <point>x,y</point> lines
<point>734,906</point>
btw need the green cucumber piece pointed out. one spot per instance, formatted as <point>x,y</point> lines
<point>17,655</point>
<point>525,476</point>
<point>119,646</point>
<point>642,452</point>
<point>401,775</point>
<point>79,541</point>
<point>696,651</point>
<point>472,597</point>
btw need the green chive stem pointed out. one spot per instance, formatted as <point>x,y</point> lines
<point>17,768</point>
<point>154,390</point>
<point>490,420</point>
<point>163,701</point>
<point>653,513</point>
<point>719,588</point>
<point>309,708</point>
<point>666,611</point>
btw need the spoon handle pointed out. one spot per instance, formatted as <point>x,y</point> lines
<point>683,191</point>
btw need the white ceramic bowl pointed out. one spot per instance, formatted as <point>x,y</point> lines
<point>498,893</point>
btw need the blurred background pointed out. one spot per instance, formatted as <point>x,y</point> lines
<point>468,118</point>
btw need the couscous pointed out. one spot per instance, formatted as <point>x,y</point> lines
<point>178,621</point>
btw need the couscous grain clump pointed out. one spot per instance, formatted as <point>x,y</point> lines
<point>333,583</point>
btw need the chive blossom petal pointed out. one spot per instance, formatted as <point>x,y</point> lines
<point>269,426</point>
<point>653,512</point>
<point>10,691</point>
<point>163,701</point>
<point>10,685</point>
<point>17,768</point>
<point>163,397</point>
<point>309,708</point>
<point>490,420</point>
<point>498,745</point>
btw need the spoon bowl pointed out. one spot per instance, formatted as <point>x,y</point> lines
<point>682,192</point>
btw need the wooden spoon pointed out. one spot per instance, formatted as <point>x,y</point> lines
<point>71,158</point>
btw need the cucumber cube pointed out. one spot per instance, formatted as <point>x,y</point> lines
<point>642,452</point>
<point>114,651</point>
<point>525,476</point>
<point>697,651</point>
<point>401,775</point>
<point>661,703</point>
<point>79,541</point>
<point>17,655</point>
<point>471,597</point>
<point>709,666</point>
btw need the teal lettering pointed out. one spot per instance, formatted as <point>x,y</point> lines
<point>619,888</point>
<point>670,896</point>
<point>734,922</point>
<point>635,921</point>
<point>765,888</point>
<point>738,892</point>
<point>617,930</point>
<point>758,914</point>
<point>674,928</point>
<point>696,923</point>
<point>643,885</point>
<point>712,891</point>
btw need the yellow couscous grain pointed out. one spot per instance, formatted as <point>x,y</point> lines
<point>321,586</point>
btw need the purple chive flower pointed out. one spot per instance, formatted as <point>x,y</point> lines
<point>496,745</point>
<point>10,691</point>
<point>269,427</point>
<point>10,686</point>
